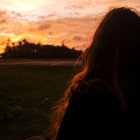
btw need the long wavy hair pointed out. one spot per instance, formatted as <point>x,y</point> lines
<point>112,58</point>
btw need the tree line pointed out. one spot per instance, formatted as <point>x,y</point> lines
<point>29,50</point>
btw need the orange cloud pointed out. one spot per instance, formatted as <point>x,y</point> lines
<point>54,22</point>
<point>53,31</point>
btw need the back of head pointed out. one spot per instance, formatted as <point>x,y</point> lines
<point>113,55</point>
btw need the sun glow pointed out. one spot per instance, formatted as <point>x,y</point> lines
<point>54,21</point>
<point>16,39</point>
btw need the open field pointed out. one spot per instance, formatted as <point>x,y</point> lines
<point>27,94</point>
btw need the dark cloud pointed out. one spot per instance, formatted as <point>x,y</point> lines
<point>50,33</point>
<point>16,14</point>
<point>80,4</point>
<point>68,41</point>
<point>31,29</point>
<point>3,13</point>
<point>3,21</point>
<point>10,16</point>
<point>75,7</point>
<point>51,15</point>
<point>3,16</point>
<point>44,26</point>
<point>78,38</point>
<point>77,13</point>
<point>41,17</point>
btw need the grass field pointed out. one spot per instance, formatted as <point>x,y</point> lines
<point>27,94</point>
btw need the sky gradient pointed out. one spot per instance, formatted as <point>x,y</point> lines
<point>54,21</point>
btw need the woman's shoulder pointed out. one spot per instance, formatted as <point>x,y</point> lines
<point>94,91</point>
<point>97,107</point>
<point>96,95</point>
<point>89,113</point>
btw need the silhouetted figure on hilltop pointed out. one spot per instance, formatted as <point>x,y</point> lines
<point>104,98</point>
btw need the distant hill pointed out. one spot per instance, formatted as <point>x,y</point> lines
<point>25,49</point>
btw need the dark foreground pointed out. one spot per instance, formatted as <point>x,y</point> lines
<point>27,94</point>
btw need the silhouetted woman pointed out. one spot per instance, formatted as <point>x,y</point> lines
<point>104,98</point>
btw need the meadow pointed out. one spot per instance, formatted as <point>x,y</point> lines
<point>27,94</point>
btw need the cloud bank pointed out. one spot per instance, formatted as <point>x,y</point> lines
<point>53,22</point>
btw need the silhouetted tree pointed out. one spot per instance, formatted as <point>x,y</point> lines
<point>25,49</point>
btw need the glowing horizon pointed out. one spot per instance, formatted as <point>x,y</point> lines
<point>54,21</point>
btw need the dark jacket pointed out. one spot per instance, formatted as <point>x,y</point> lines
<point>94,115</point>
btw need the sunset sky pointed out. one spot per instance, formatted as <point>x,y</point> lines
<point>54,21</point>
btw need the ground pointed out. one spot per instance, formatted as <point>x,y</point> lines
<point>27,94</point>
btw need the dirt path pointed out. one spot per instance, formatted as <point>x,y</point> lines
<point>41,62</point>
